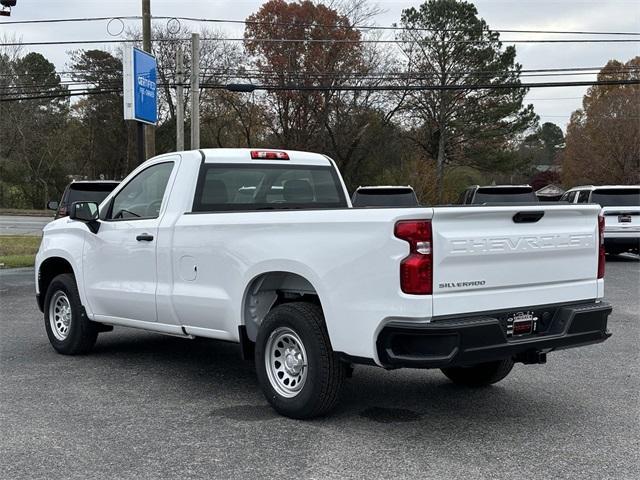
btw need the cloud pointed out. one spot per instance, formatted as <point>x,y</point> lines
<point>610,15</point>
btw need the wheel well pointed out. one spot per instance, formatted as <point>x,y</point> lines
<point>49,269</point>
<point>269,290</point>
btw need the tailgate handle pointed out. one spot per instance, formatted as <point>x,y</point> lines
<point>527,217</point>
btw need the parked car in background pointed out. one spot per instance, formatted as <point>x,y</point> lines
<point>82,191</point>
<point>478,195</point>
<point>385,196</point>
<point>621,209</point>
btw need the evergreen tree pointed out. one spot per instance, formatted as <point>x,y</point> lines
<point>446,44</point>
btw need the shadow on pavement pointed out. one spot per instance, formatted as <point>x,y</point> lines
<point>625,257</point>
<point>204,367</point>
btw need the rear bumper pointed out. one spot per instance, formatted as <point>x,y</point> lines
<point>477,339</point>
<point>629,242</point>
<point>622,234</point>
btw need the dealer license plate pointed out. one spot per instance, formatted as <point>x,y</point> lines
<point>521,323</point>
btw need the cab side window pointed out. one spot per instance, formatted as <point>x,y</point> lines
<point>568,197</point>
<point>464,197</point>
<point>142,196</point>
<point>583,196</point>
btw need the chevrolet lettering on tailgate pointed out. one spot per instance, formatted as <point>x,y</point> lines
<point>515,244</point>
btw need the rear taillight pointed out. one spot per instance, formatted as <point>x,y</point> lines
<point>601,258</point>
<point>416,270</point>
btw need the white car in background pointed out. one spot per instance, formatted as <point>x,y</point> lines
<point>621,209</point>
<point>385,196</point>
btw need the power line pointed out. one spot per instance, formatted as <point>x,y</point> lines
<point>315,25</point>
<point>544,70</point>
<point>297,75</point>
<point>435,42</point>
<point>622,69</point>
<point>25,87</point>
<point>419,87</point>
<point>319,40</point>
<point>59,95</point>
<point>65,20</point>
<point>74,42</point>
<point>251,87</point>
<point>553,98</point>
<point>392,27</point>
<point>260,75</point>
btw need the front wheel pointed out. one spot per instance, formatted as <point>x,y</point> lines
<point>298,372</point>
<point>481,374</point>
<point>69,330</point>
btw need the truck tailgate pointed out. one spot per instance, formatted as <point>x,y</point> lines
<point>492,258</point>
<point>621,220</point>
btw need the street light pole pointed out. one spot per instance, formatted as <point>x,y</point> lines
<point>179,100</point>
<point>195,91</point>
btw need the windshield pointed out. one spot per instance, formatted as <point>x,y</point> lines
<point>505,195</point>
<point>385,197</point>
<point>89,192</point>
<point>620,197</point>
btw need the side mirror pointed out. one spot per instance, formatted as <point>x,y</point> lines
<point>52,205</point>
<point>86,212</point>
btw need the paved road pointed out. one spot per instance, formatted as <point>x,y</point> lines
<point>147,406</point>
<point>22,225</point>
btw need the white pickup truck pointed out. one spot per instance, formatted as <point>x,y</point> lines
<point>621,210</point>
<point>262,247</point>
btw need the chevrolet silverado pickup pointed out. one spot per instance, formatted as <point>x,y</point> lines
<point>263,248</point>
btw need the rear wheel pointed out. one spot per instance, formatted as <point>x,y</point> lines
<point>298,372</point>
<point>69,330</point>
<point>481,374</point>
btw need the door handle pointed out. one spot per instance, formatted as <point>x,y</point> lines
<point>527,217</point>
<point>145,237</point>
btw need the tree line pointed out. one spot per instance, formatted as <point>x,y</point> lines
<point>439,140</point>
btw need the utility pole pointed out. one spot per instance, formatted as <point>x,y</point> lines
<point>149,130</point>
<point>179,100</point>
<point>195,91</point>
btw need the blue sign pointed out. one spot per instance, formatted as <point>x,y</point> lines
<point>140,86</point>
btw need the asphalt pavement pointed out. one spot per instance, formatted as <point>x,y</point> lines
<point>148,406</point>
<point>22,224</point>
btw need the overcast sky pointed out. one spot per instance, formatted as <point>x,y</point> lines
<point>552,104</point>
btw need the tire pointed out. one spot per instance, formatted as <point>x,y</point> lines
<point>479,375</point>
<point>295,390</point>
<point>69,330</point>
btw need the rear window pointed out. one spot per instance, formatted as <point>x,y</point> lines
<point>505,195</point>
<point>620,197</point>
<point>268,187</point>
<point>89,192</point>
<point>385,197</point>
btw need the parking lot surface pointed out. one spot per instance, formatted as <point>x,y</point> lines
<point>147,406</point>
<point>23,224</point>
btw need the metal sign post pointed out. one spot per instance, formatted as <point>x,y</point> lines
<point>140,85</point>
